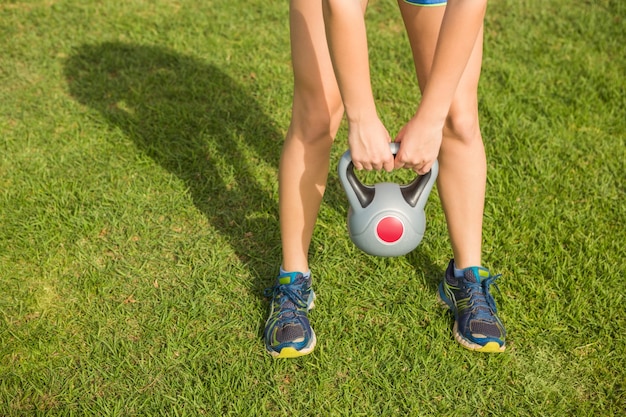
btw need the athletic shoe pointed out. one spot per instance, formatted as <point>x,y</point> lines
<point>476,323</point>
<point>288,333</point>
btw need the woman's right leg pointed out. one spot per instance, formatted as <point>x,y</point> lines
<point>304,163</point>
<point>316,115</point>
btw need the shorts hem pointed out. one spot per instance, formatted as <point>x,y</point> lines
<point>426,3</point>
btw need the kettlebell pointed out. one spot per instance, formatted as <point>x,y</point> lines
<point>386,219</point>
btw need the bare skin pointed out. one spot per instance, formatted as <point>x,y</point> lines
<point>331,74</point>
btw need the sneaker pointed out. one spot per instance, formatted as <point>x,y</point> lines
<point>288,333</point>
<point>476,323</point>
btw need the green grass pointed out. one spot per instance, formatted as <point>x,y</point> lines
<point>138,200</point>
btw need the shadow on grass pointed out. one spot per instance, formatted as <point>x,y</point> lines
<point>202,126</point>
<point>196,122</point>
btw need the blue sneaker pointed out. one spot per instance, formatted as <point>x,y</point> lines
<point>288,333</point>
<point>476,323</point>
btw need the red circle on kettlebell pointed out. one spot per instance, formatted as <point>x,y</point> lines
<point>390,229</point>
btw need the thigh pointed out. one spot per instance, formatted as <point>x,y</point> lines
<point>315,86</point>
<point>422,25</point>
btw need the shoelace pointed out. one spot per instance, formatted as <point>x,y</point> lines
<point>289,296</point>
<point>481,297</point>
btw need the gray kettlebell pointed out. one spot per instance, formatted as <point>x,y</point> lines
<point>386,219</point>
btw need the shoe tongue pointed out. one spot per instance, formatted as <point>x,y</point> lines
<point>476,274</point>
<point>290,278</point>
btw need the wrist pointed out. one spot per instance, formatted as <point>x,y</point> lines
<point>431,115</point>
<point>360,114</point>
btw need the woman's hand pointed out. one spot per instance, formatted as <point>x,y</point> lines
<point>419,145</point>
<point>369,145</point>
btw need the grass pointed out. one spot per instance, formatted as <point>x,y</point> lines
<point>138,199</point>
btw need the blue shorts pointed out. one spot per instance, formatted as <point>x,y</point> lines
<point>427,2</point>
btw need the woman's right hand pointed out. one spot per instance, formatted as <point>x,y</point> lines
<point>369,145</point>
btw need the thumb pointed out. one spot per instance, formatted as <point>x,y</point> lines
<point>400,135</point>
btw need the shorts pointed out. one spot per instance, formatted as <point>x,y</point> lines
<point>427,2</point>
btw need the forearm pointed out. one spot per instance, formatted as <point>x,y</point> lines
<point>347,41</point>
<point>461,25</point>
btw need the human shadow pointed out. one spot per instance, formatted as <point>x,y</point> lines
<point>202,126</point>
<point>199,124</point>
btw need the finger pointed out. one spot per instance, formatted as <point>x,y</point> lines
<point>401,162</point>
<point>424,169</point>
<point>400,135</point>
<point>389,162</point>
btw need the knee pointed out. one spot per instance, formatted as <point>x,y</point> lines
<point>316,123</point>
<point>463,127</point>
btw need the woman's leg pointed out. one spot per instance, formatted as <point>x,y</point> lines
<point>461,185</point>
<point>304,162</point>
<point>462,164</point>
<point>316,116</point>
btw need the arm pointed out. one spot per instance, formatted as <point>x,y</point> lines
<point>347,42</point>
<point>421,137</point>
<point>460,27</point>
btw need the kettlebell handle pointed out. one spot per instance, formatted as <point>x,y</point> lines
<point>365,193</point>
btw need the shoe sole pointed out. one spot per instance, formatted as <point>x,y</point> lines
<point>290,353</point>
<point>490,347</point>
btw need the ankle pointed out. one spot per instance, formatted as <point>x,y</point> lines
<point>306,273</point>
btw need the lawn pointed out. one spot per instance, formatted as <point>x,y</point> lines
<point>139,145</point>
